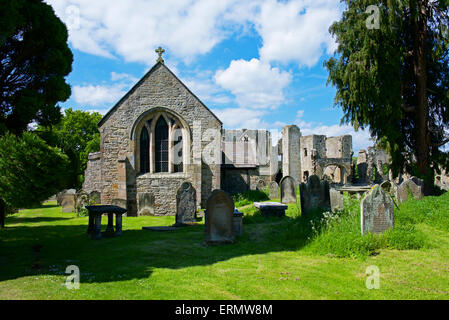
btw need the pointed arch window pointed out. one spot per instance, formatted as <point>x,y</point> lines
<point>161,145</point>
<point>178,163</point>
<point>144,151</point>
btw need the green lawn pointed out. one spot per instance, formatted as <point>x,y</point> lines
<point>274,259</point>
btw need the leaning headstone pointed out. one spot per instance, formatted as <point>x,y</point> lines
<point>377,211</point>
<point>413,187</point>
<point>288,190</point>
<point>68,201</point>
<point>314,194</point>
<point>274,190</point>
<point>337,200</point>
<point>146,204</point>
<point>261,185</point>
<point>219,218</point>
<point>185,205</point>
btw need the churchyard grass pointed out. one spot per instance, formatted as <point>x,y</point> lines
<point>275,258</point>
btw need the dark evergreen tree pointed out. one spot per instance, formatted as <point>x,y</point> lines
<point>395,78</point>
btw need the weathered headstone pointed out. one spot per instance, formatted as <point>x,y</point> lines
<point>122,203</point>
<point>387,186</point>
<point>186,205</point>
<point>274,190</point>
<point>288,190</point>
<point>413,187</point>
<point>377,211</point>
<point>261,185</point>
<point>314,194</point>
<point>68,201</point>
<point>82,200</point>
<point>219,218</point>
<point>95,197</point>
<point>336,199</point>
<point>146,204</point>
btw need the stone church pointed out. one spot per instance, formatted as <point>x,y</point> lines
<point>160,135</point>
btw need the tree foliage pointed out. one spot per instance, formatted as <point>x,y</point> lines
<point>32,171</point>
<point>77,135</point>
<point>395,79</point>
<point>34,59</point>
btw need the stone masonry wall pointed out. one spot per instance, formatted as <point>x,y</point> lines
<point>159,89</point>
<point>92,175</point>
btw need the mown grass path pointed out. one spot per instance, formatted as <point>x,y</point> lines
<point>176,265</point>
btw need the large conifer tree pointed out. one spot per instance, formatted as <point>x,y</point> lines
<point>394,78</point>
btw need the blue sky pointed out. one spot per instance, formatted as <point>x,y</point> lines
<point>257,64</point>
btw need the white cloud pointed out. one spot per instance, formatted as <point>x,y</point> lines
<point>98,95</point>
<point>207,91</point>
<point>254,84</point>
<point>238,118</point>
<point>134,28</point>
<point>296,30</point>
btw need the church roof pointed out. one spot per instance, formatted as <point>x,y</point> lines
<point>159,63</point>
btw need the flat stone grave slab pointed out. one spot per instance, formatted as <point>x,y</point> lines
<point>160,229</point>
<point>271,209</point>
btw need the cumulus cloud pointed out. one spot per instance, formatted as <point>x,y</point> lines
<point>254,84</point>
<point>97,95</point>
<point>297,30</point>
<point>237,118</point>
<point>134,28</point>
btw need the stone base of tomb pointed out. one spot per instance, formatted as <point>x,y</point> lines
<point>271,209</point>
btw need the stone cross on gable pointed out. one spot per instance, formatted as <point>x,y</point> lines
<point>160,51</point>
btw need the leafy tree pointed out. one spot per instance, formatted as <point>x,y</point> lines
<point>31,171</point>
<point>395,78</point>
<point>34,59</point>
<point>77,135</point>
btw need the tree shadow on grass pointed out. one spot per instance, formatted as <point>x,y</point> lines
<point>137,252</point>
<point>20,219</point>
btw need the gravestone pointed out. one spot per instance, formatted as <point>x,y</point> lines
<point>288,190</point>
<point>413,187</point>
<point>82,200</point>
<point>314,194</point>
<point>219,218</point>
<point>119,203</point>
<point>337,200</point>
<point>185,205</point>
<point>377,211</point>
<point>261,185</point>
<point>146,204</point>
<point>68,201</point>
<point>387,186</point>
<point>95,197</point>
<point>274,190</point>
